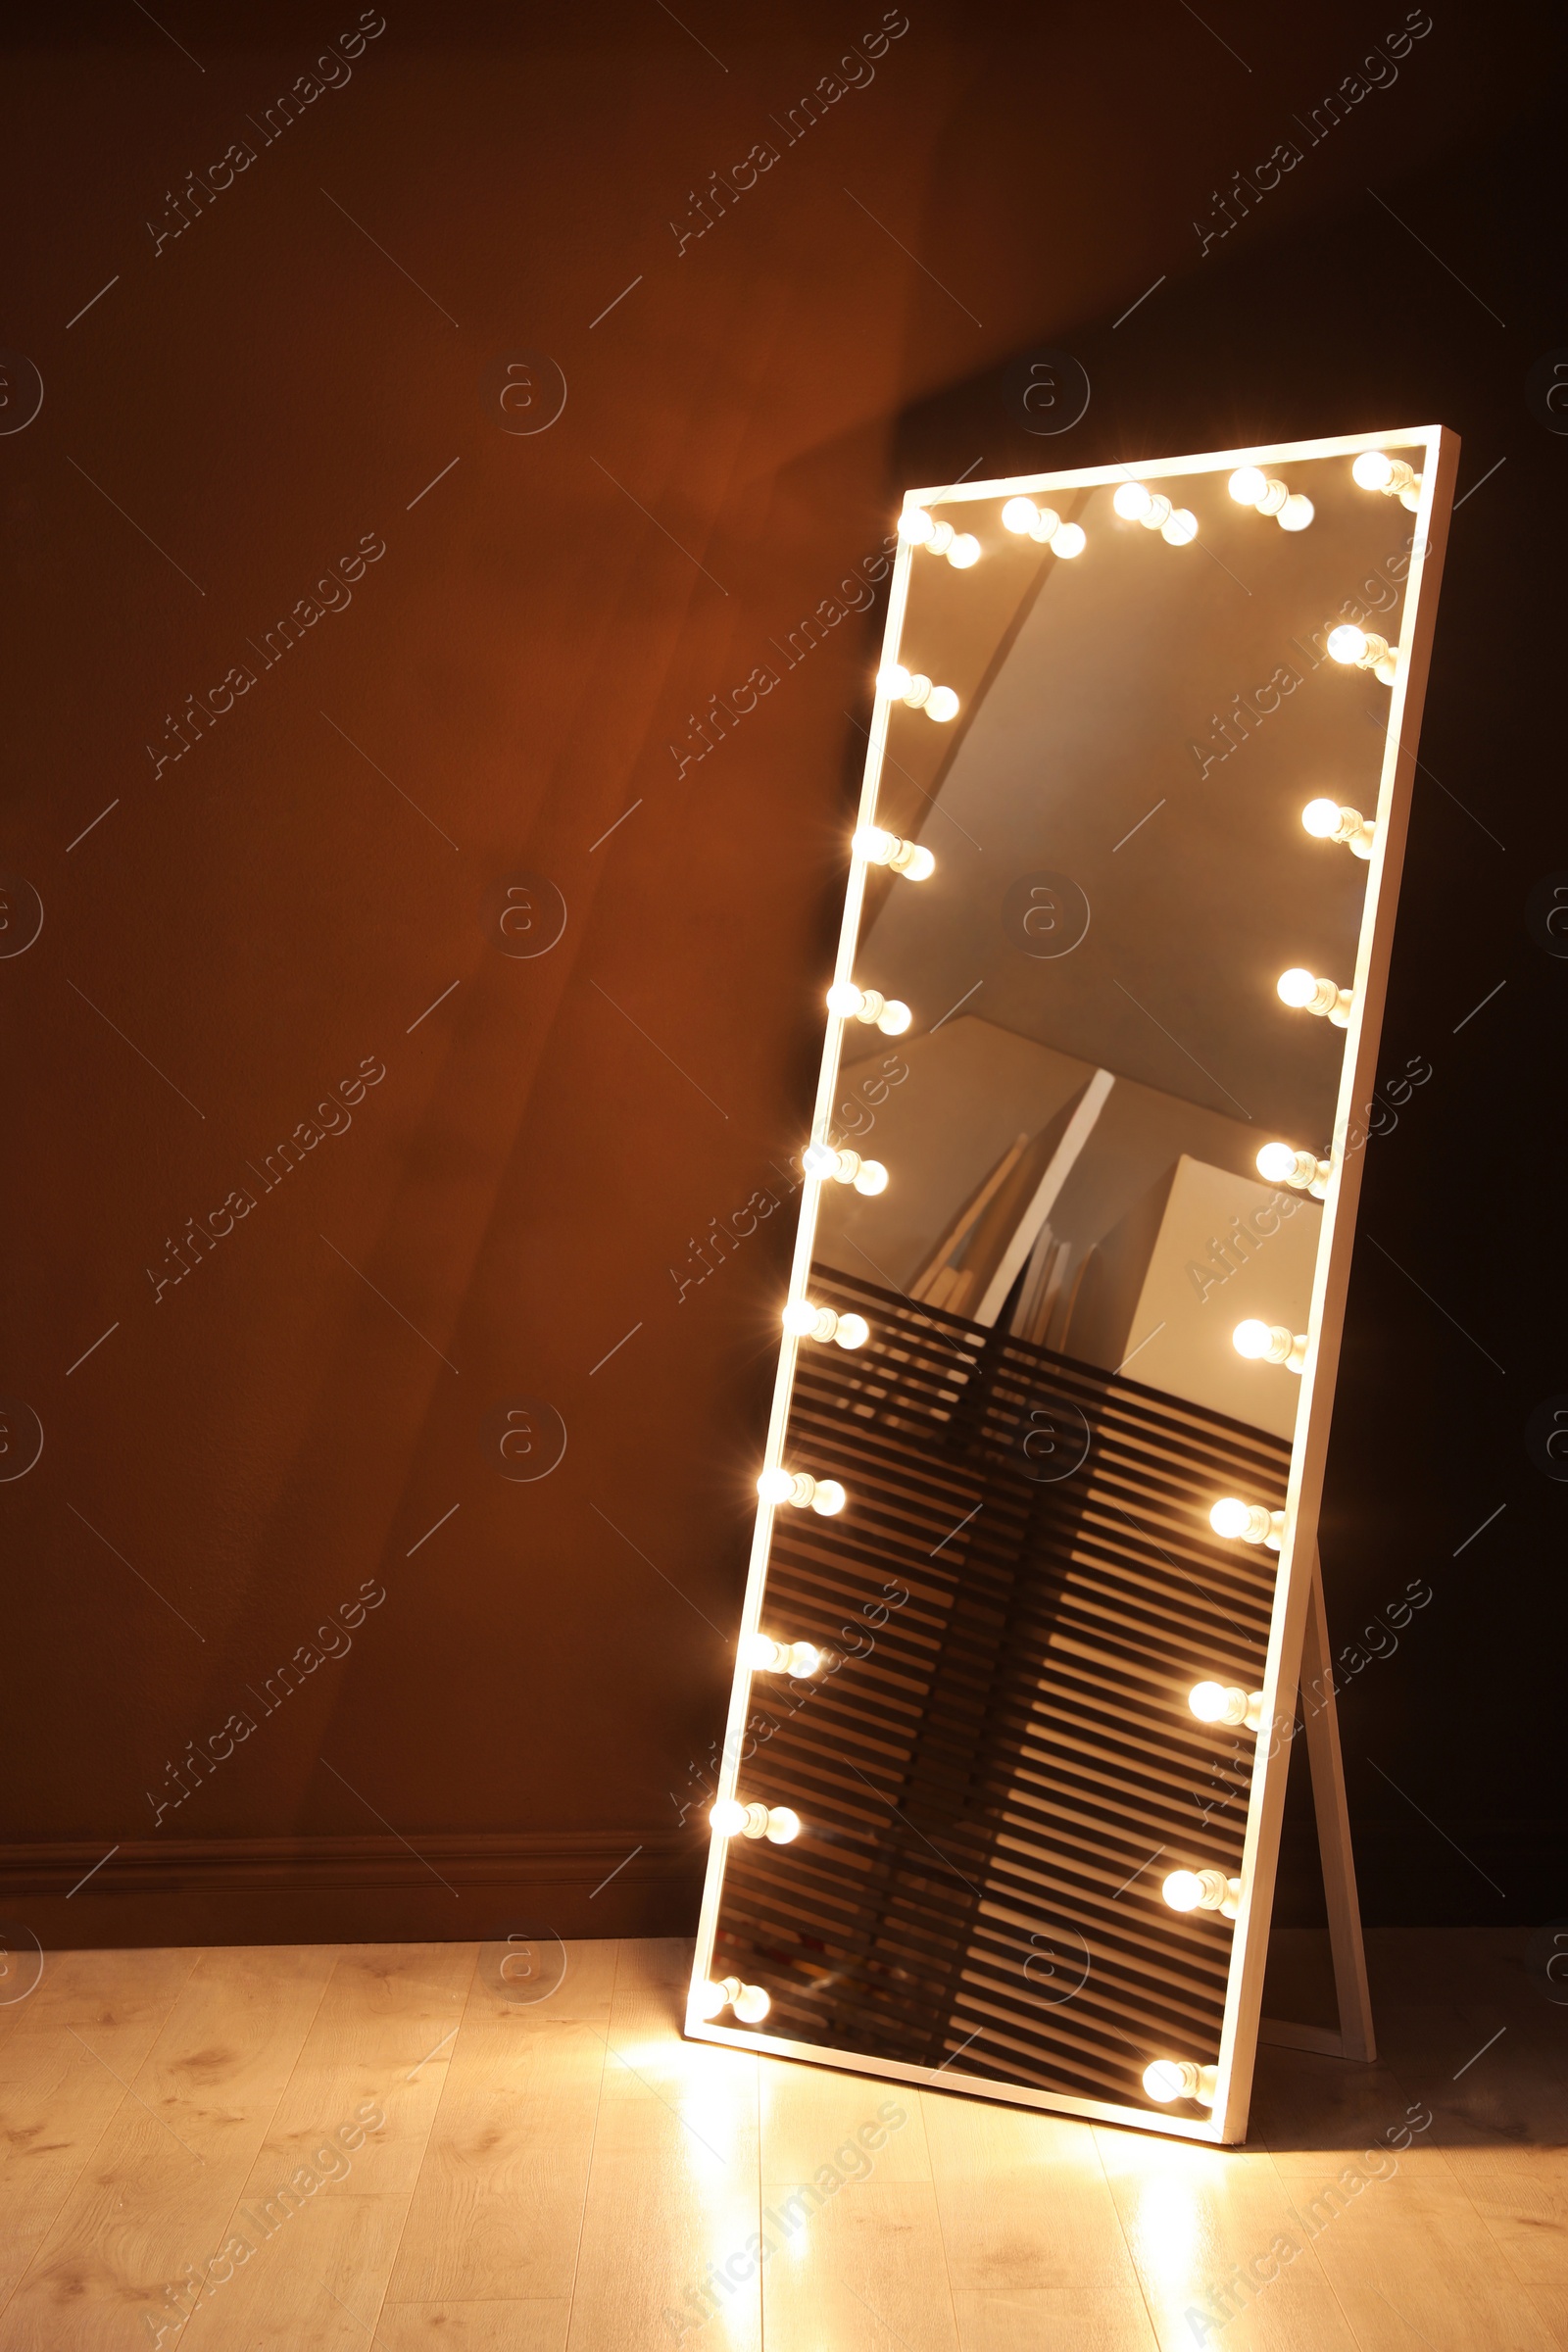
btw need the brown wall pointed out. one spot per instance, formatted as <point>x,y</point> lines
<point>310,366</point>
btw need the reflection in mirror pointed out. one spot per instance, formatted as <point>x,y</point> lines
<point>992,1757</point>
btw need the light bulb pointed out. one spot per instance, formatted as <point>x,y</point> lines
<point>800,1489</point>
<point>1304,992</point>
<point>1069,540</point>
<point>1332,820</point>
<point>708,2000</point>
<point>762,1656</point>
<point>943,536</point>
<point>868,1004</point>
<point>1247,1522</point>
<point>942,704</point>
<point>1296,513</point>
<point>1393,476</point>
<point>776,1823</point>
<point>1132,502</point>
<point>1047,523</point>
<point>1248,485</point>
<point>893,680</point>
<point>905,858</point>
<point>917,692</point>
<point>1019,515</point>
<point>1365,649</point>
<point>917,527</point>
<point>965,550</point>
<point>749,2003</point>
<point>1372,469</point>
<point>1202,1891</point>
<point>1180,529</point>
<point>1157,514</point>
<point>1225,1702</point>
<point>1169,2079</point>
<point>808,1322</point>
<point>1302,1171</point>
<point>1182,1890</point>
<point>823,1162</point>
<point>1270,1344</point>
<point>1274,495</point>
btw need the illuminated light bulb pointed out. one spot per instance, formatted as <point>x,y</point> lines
<point>1270,1344</point>
<point>776,1823</point>
<point>1226,1702</point>
<point>1365,649</point>
<point>799,1489</point>
<point>965,550</point>
<point>1329,820</point>
<point>1180,529</point>
<point>763,1655</point>
<point>1132,502</point>
<point>750,2003</point>
<point>916,526</point>
<point>823,1162</point>
<point>1019,515</point>
<point>1247,1522</point>
<point>942,704</point>
<point>1047,523</point>
<point>918,691</point>
<point>1159,513</point>
<point>868,1004</point>
<point>1304,992</point>
<point>1069,539</point>
<point>1302,1171</point>
<point>1202,1891</point>
<point>808,1322</point>
<point>1169,2079</point>
<point>941,539</point>
<point>1393,476</point>
<point>905,858</point>
<point>893,680</point>
<point>1249,486</point>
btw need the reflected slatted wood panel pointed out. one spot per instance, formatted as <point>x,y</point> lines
<point>1001,1767</point>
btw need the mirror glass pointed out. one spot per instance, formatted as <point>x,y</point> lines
<point>1079,1301</point>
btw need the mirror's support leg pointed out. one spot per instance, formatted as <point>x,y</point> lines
<point>1355,2039</point>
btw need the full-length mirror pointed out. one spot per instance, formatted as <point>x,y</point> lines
<point>1036,1544</point>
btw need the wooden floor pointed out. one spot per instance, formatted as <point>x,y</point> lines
<point>565,2175</point>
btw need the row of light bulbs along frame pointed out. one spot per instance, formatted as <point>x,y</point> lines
<point>1184,1891</point>
<point>1135,502</point>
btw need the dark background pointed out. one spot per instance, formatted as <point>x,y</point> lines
<point>315,881</point>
